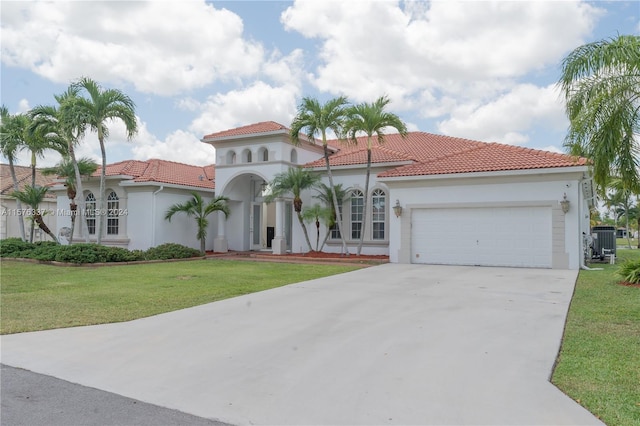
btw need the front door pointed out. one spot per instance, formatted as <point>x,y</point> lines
<point>255,226</point>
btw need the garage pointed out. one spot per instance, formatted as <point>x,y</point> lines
<point>484,236</point>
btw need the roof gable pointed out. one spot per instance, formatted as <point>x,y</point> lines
<point>23,175</point>
<point>163,171</point>
<point>251,129</point>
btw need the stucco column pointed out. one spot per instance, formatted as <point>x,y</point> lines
<point>279,243</point>
<point>220,243</point>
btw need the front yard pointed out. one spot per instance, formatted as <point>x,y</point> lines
<point>599,363</point>
<point>41,297</point>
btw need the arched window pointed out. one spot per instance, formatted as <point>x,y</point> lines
<point>294,156</point>
<point>357,207</point>
<point>263,154</point>
<point>246,156</point>
<point>231,157</point>
<point>378,213</point>
<point>90,212</point>
<point>113,213</point>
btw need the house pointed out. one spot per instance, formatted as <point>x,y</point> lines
<point>9,212</point>
<point>458,201</point>
<point>138,195</point>
<point>432,199</point>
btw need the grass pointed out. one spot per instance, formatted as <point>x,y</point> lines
<point>41,297</point>
<point>599,363</point>
<point>623,242</point>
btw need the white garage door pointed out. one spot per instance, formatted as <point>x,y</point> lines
<point>497,236</point>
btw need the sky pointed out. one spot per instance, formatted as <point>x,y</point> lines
<point>482,70</point>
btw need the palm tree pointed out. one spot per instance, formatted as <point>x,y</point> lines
<point>317,213</point>
<point>33,197</point>
<point>66,169</point>
<point>370,119</point>
<point>601,84</point>
<point>316,119</point>
<point>197,208</point>
<point>325,194</point>
<point>11,137</point>
<point>295,180</point>
<point>102,106</point>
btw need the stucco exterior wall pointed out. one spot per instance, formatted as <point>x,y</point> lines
<point>486,190</point>
<point>10,217</point>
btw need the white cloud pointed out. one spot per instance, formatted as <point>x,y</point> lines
<point>507,118</point>
<point>256,103</point>
<point>180,146</point>
<point>159,47</point>
<point>463,62</point>
<point>369,48</point>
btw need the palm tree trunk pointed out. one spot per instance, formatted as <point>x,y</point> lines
<point>103,206</point>
<point>38,218</point>
<point>366,197</point>
<point>335,198</point>
<point>317,234</point>
<point>326,237</point>
<point>18,203</point>
<point>202,246</point>
<point>83,223</point>
<point>304,229</point>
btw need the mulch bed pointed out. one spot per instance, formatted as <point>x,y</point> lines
<point>628,284</point>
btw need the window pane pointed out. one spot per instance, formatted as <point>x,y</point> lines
<point>91,213</point>
<point>357,206</point>
<point>113,213</point>
<point>378,213</point>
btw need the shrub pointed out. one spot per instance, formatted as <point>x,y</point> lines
<point>11,247</point>
<point>118,254</point>
<point>78,253</point>
<point>630,271</point>
<point>171,251</point>
<point>45,250</point>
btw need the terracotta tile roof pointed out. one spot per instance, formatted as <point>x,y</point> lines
<point>23,174</point>
<point>436,154</point>
<point>488,157</point>
<point>429,153</point>
<point>251,129</point>
<point>163,171</point>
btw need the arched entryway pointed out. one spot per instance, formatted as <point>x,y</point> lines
<point>253,224</point>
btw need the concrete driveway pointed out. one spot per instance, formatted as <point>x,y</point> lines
<point>391,344</point>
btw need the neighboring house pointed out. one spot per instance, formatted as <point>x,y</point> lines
<point>462,201</point>
<point>9,214</point>
<point>139,193</point>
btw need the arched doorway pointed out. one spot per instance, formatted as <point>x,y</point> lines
<point>252,224</point>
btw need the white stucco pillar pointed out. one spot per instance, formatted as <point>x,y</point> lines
<point>279,243</point>
<point>220,243</point>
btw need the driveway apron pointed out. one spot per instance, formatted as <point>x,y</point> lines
<point>391,344</point>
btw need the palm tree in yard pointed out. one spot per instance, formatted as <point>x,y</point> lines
<point>94,112</point>
<point>12,129</point>
<point>316,119</point>
<point>33,197</point>
<point>601,84</point>
<point>66,169</point>
<point>196,207</point>
<point>294,181</point>
<point>325,194</point>
<point>317,213</point>
<point>370,119</point>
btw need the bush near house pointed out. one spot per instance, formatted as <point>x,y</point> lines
<point>630,271</point>
<point>90,253</point>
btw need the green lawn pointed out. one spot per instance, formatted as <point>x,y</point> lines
<point>599,363</point>
<point>40,297</point>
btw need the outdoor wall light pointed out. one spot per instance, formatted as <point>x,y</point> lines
<point>565,204</point>
<point>397,209</point>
